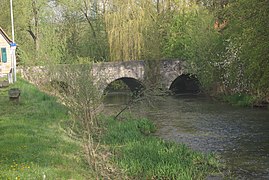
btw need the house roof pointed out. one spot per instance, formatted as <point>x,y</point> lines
<point>2,32</point>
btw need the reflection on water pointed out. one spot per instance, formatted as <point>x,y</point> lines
<point>240,136</point>
<point>117,98</point>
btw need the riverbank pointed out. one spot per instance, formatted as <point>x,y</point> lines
<point>34,144</point>
<point>243,100</point>
<point>144,156</point>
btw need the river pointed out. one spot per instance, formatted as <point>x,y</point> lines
<point>239,136</point>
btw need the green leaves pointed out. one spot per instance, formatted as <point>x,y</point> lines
<point>249,31</point>
<point>234,53</point>
<point>143,156</point>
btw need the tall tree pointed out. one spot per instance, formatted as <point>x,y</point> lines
<point>84,20</point>
<point>125,22</point>
<point>32,19</point>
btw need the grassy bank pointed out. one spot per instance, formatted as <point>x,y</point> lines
<point>32,141</point>
<point>143,156</point>
<point>33,144</point>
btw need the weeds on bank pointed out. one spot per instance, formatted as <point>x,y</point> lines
<point>32,143</point>
<point>242,100</point>
<point>143,156</point>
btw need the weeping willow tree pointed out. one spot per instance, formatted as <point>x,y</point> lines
<point>126,22</point>
<point>136,28</point>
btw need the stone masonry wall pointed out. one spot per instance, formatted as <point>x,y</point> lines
<point>105,73</point>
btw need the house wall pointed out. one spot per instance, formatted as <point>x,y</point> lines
<point>5,67</point>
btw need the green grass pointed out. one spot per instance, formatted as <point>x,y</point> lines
<point>32,141</point>
<point>143,156</point>
<point>33,144</point>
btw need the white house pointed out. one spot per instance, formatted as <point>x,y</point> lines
<point>5,53</point>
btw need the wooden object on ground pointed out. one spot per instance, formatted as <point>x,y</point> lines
<point>14,94</point>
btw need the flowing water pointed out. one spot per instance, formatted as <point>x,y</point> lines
<point>239,136</point>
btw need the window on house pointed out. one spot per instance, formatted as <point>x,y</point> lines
<point>4,55</point>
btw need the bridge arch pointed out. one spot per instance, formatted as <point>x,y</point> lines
<point>132,83</point>
<point>185,84</point>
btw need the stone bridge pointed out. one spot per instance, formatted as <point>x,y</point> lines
<point>172,74</point>
<point>133,73</point>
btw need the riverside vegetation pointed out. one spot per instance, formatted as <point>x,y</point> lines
<point>35,144</point>
<point>143,156</point>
